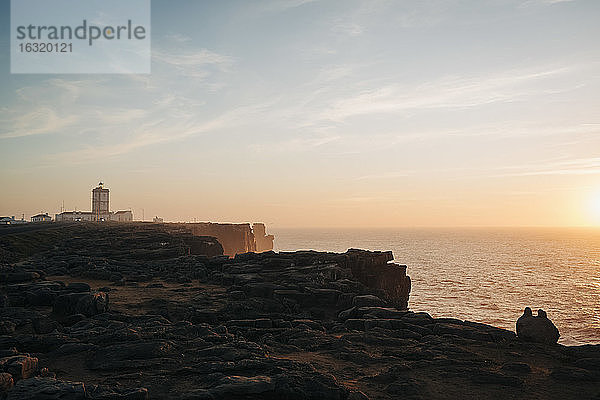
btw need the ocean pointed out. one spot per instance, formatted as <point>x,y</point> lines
<point>485,275</point>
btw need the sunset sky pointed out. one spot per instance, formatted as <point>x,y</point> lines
<point>324,113</point>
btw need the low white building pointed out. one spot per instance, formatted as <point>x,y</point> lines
<point>77,216</point>
<point>74,216</point>
<point>122,216</point>
<point>41,218</point>
<point>6,220</point>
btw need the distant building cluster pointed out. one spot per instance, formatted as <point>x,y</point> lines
<point>100,210</point>
<point>36,218</point>
<point>11,221</point>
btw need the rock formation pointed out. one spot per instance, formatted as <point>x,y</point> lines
<point>536,328</point>
<point>264,242</point>
<point>235,238</point>
<point>374,270</point>
<point>126,312</point>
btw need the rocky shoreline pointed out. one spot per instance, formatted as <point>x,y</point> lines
<point>141,311</point>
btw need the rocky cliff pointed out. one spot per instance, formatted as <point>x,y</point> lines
<point>84,318</point>
<point>235,238</point>
<point>375,270</point>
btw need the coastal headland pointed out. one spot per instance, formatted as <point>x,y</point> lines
<point>169,311</point>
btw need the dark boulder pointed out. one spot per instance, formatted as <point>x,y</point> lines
<point>349,313</point>
<point>355,324</point>
<point>73,319</point>
<point>367,300</point>
<point>18,276</point>
<point>78,287</point>
<point>41,297</point>
<point>88,304</point>
<point>20,367</point>
<point>45,325</point>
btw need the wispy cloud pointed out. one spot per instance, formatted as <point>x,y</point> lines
<point>43,109</point>
<point>42,120</point>
<point>347,28</point>
<point>64,106</point>
<point>156,127</point>
<point>191,57</point>
<point>537,3</point>
<point>178,37</point>
<point>571,132</point>
<point>192,63</point>
<point>386,175</point>
<point>451,92</point>
<point>578,166</point>
<point>295,144</point>
<point>284,5</point>
<point>533,2</point>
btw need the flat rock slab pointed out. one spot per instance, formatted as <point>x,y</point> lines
<point>127,355</point>
<point>47,389</point>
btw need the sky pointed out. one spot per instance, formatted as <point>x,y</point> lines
<point>324,113</point>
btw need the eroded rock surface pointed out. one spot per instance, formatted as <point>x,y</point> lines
<point>301,325</point>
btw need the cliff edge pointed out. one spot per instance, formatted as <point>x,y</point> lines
<point>140,315</point>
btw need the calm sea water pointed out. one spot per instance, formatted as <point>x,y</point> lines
<point>486,275</point>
